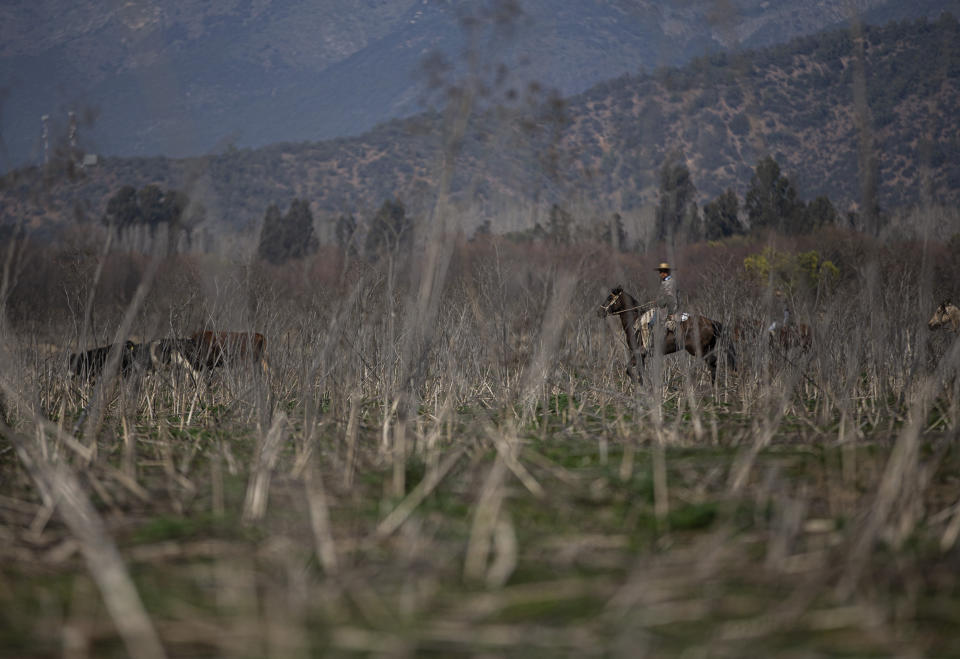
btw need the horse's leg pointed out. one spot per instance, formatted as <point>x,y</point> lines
<point>632,369</point>
<point>693,344</point>
<point>731,356</point>
<point>671,343</point>
<point>703,345</point>
<point>643,364</point>
<point>711,360</point>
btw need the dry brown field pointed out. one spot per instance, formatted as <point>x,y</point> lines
<point>446,458</point>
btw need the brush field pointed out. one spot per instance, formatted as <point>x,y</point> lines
<point>448,459</point>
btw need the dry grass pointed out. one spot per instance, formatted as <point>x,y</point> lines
<point>449,459</point>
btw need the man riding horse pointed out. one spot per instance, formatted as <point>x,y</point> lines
<point>664,306</point>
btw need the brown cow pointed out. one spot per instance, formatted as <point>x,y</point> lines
<point>213,349</point>
<point>782,338</point>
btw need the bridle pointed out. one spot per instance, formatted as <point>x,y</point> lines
<point>616,298</point>
<point>613,300</point>
<point>948,315</point>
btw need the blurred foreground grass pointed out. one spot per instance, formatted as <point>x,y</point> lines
<point>547,535</point>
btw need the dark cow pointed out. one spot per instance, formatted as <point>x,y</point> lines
<point>90,363</point>
<point>203,351</point>
<point>214,349</point>
<point>137,357</point>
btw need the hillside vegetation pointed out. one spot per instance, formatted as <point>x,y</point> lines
<point>190,78</point>
<point>604,149</point>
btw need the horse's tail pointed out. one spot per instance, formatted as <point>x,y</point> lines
<point>722,337</point>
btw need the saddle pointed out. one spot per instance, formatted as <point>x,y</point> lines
<point>670,322</point>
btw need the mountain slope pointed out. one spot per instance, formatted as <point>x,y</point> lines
<point>191,77</point>
<point>603,149</point>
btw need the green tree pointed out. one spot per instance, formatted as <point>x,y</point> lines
<point>721,217</point>
<point>153,207</point>
<point>289,236</point>
<point>771,200</point>
<point>560,225</point>
<point>346,233</point>
<point>819,212</point>
<point>482,230</point>
<point>614,234</point>
<point>270,235</point>
<point>791,271</point>
<point>390,228</point>
<point>677,212</point>
<point>123,209</point>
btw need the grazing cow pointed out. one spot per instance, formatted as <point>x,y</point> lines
<point>782,338</point>
<point>947,315</point>
<point>213,349</point>
<point>90,363</point>
<point>794,335</point>
<point>182,352</point>
<point>136,357</point>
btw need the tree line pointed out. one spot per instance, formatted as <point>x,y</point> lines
<point>292,235</point>
<point>771,202</point>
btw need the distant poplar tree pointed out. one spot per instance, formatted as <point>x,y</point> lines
<point>819,212</point>
<point>287,236</point>
<point>390,228</point>
<point>614,234</point>
<point>721,216</point>
<point>346,233</point>
<point>677,211</point>
<point>154,207</point>
<point>771,200</point>
<point>560,225</point>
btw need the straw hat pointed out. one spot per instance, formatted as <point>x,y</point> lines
<point>663,266</point>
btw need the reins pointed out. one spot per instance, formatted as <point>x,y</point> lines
<point>617,313</point>
<point>606,307</point>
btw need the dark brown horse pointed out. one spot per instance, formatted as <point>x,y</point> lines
<point>698,335</point>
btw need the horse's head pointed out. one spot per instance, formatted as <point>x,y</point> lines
<point>613,304</point>
<point>947,314</point>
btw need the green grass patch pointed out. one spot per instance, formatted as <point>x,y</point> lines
<point>200,525</point>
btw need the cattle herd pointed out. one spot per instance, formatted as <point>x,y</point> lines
<point>203,351</point>
<point>206,350</point>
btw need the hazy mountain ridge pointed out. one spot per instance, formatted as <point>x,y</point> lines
<point>796,103</point>
<point>722,113</point>
<point>192,77</point>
